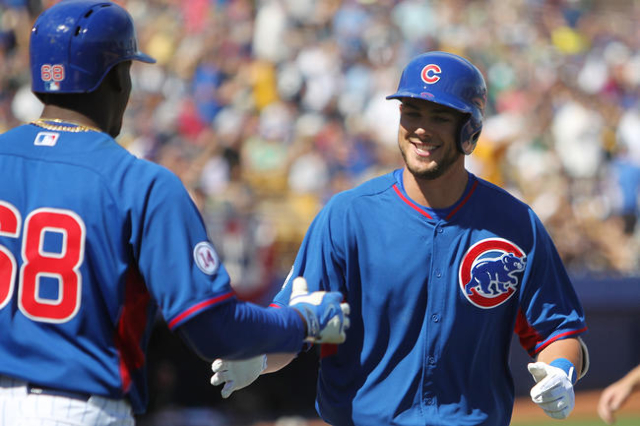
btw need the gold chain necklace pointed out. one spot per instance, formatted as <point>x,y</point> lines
<point>45,123</point>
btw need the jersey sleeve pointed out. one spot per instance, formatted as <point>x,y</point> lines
<point>549,307</point>
<point>243,330</point>
<point>321,257</point>
<point>179,264</point>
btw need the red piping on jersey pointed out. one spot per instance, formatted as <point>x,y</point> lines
<point>274,305</point>
<point>406,200</point>
<point>131,326</point>
<point>559,337</point>
<point>424,213</point>
<point>530,338</point>
<point>199,307</point>
<point>464,201</point>
<point>328,349</point>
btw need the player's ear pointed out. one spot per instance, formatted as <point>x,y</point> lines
<point>118,78</point>
<point>110,81</point>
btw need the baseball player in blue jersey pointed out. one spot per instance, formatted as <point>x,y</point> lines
<point>94,242</point>
<point>439,268</point>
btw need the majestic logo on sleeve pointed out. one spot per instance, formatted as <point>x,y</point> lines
<point>206,258</point>
<point>491,271</point>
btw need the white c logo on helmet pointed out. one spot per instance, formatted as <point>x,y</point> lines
<point>429,73</point>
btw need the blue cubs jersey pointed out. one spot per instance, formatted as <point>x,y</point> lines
<point>435,298</point>
<point>93,241</point>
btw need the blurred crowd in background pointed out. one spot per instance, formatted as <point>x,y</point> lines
<point>266,108</point>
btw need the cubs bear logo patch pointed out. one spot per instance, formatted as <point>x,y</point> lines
<point>491,271</point>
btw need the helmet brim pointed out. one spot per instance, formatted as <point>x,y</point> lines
<point>143,57</point>
<point>437,98</point>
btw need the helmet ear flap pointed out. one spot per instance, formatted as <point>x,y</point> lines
<point>468,146</point>
<point>469,135</point>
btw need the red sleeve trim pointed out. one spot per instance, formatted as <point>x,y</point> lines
<point>558,337</point>
<point>532,341</point>
<point>200,306</point>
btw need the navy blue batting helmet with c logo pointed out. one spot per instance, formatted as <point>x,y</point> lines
<point>75,43</point>
<point>449,80</point>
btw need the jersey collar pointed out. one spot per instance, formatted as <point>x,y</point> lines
<point>435,214</point>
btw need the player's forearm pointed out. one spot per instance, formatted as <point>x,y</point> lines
<point>238,330</point>
<point>633,378</point>
<point>278,361</point>
<point>567,348</point>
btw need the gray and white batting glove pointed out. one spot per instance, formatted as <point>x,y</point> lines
<point>553,391</point>
<point>327,319</point>
<point>236,375</point>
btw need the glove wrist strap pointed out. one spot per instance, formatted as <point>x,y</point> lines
<point>566,366</point>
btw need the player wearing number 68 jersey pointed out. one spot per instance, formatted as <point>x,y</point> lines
<point>93,242</point>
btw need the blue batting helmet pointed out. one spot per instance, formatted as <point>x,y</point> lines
<point>449,80</point>
<point>75,43</point>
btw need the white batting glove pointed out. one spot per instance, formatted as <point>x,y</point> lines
<point>554,389</point>
<point>327,319</point>
<point>236,374</point>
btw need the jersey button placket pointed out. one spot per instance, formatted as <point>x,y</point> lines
<point>437,272</point>
<point>430,361</point>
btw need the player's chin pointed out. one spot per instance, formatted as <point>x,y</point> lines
<point>425,169</point>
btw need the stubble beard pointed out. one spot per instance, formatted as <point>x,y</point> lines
<point>434,172</point>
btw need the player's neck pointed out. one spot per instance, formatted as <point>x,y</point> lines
<point>438,193</point>
<point>54,112</point>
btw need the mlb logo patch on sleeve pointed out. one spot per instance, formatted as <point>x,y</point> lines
<point>46,139</point>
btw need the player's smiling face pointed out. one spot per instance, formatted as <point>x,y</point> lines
<point>427,137</point>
